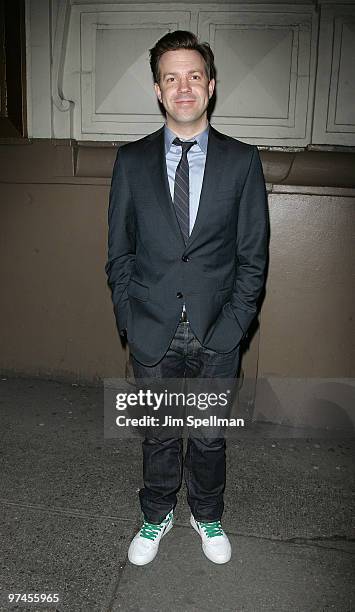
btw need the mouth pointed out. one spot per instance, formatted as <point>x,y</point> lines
<point>184,101</point>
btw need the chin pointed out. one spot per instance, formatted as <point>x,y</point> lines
<point>185,117</point>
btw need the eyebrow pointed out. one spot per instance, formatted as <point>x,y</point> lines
<point>189,72</point>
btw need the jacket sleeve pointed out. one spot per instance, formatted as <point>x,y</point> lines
<point>121,241</point>
<point>251,245</point>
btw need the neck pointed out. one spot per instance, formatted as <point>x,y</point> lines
<point>187,130</point>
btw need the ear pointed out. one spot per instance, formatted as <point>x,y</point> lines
<point>211,86</point>
<point>157,91</point>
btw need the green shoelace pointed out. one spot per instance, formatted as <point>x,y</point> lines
<point>212,529</point>
<point>150,530</point>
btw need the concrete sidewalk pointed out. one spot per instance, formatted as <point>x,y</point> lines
<point>69,508</point>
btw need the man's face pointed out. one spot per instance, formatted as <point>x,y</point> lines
<point>184,89</point>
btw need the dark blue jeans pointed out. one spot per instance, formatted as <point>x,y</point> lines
<point>204,468</point>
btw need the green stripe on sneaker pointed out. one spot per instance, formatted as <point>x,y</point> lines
<point>150,530</point>
<point>211,529</point>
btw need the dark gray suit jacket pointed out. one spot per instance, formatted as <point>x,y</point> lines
<point>219,273</point>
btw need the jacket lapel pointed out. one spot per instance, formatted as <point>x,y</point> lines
<point>156,165</point>
<point>211,181</point>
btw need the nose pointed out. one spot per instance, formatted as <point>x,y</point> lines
<point>184,84</point>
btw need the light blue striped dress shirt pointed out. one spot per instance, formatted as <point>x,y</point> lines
<point>197,160</point>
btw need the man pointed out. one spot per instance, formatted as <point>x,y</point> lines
<point>186,264</point>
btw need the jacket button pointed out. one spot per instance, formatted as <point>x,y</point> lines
<point>185,258</point>
<point>179,294</point>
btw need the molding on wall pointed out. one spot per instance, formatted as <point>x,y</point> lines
<point>67,161</point>
<point>286,76</point>
<point>265,86</point>
<point>334,116</point>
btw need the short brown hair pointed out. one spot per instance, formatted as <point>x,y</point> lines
<point>181,39</point>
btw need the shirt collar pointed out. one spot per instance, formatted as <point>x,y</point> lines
<point>202,139</point>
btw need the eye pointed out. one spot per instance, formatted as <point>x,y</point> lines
<point>196,76</point>
<point>170,79</point>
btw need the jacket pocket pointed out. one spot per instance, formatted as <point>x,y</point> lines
<point>223,294</point>
<point>138,291</point>
<point>225,289</point>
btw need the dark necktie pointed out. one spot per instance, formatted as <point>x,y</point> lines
<point>182,187</point>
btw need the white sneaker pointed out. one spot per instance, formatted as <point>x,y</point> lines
<point>145,543</point>
<point>215,543</point>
